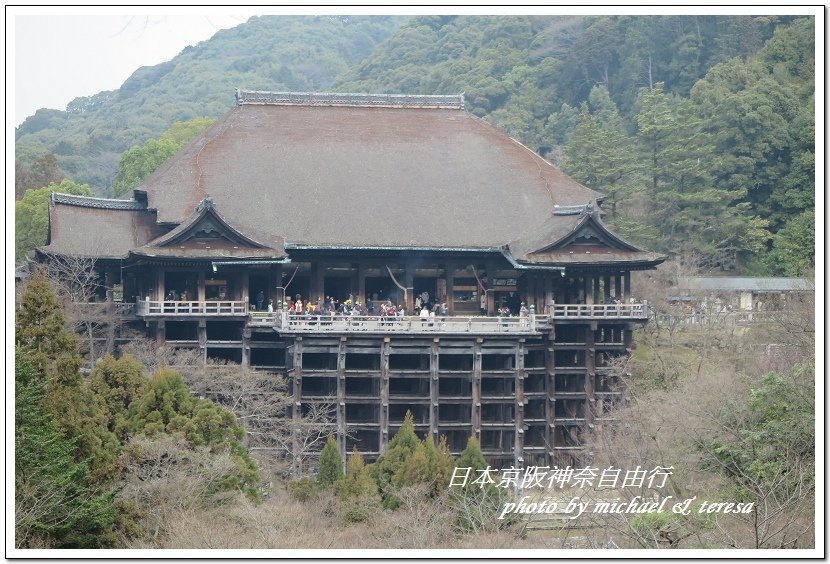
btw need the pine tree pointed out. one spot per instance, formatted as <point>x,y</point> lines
<point>331,464</point>
<point>390,470</point>
<point>40,326</point>
<point>118,383</point>
<point>54,501</point>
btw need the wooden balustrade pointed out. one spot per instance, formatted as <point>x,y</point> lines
<point>188,308</point>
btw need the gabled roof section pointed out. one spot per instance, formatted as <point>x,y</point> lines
<point>575,235</point>
<point>589,229</point>
<point>206,223</point>
<point>207,234</point>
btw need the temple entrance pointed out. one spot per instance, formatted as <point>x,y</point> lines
<point>183,285</point>
<point>426,289</point>
<point>337,287</point>
<point>258,283</point>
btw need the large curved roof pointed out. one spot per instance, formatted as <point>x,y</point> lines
<point>364,176</point>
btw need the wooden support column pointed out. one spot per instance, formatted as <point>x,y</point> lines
<point>108,283</point>
<point>244,290</point>
<point>597,293</point>
<point>246,346</point>
<point>520,373</point>
<point>618,286</point>
<point>627,286</point>
<point>316,290</point>
<point>589,289</point>
<point>409,284</point>
<point>361,284</point>
<point>550,393</point>
<point>384,394</point>
<point>488,282</point>
<point>449,274</point>
<point>590,372</point>
<point>201,335</point>
<point>548,289</point>
<point>296,412</point>
<point>606,288</point>
<point>200,287</point>
<point>277,287</point>
<point>476,414</point>
<point>530,288</point>
<point>341,397</point>
<point>433,390</point>
<point>160,295</point>
<point>160,332</point>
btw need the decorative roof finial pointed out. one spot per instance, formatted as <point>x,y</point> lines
<point>207,202</point>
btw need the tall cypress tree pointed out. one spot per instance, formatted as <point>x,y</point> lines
<point>331,464</point>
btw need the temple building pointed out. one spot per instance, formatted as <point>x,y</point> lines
<point>378,200</point>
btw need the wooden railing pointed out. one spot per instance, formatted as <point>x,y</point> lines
<point>600,311</point>
<point>288,323</point>
<point>218,308</point>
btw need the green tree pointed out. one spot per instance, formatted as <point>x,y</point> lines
<point>31,215</point>
<point>692,212</point>
<point>140,161</point>
<point>54,503</point>
<point>600,156</point>
<point>765,446</point>
<point>390,470</point>
<point>793,247</point>
<point>357,491</point>
<point>118,383</point>
<point>331,463</point>
<point>167,407</point>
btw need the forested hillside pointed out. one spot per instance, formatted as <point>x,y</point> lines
<point>699,129</point>
<point>268,52</point>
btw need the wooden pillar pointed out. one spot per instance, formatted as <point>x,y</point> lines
<point>548,285</point>
<point>627,286</point>
<point>550,393</point>
<point>341,397</point>
<point>384,394</point>
<point>590,372</point>
<point>200,287</point>
<point>108,278</point>
<point>618,286</point>
<point>433,390</point>
<point>488,283</point>
<point>518,441</point>
<point>160,332</point>
<point>361,284</point>
<point>530,290</point>
<point>159,285</point>
<point>476,414</point>
<point>589,289</point>
<point>246,347</point>
<point>449,274</point>
<point>296,412</point>
<point>316,289</point>
<point>244,290</point>
<point>606,288</point>
<point>277,287</point>
<point>409,284</point>
<point>597,293</point>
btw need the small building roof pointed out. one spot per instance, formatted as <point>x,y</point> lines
<point>738,284</point>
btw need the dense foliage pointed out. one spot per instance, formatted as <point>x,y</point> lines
<point>76,439</point>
